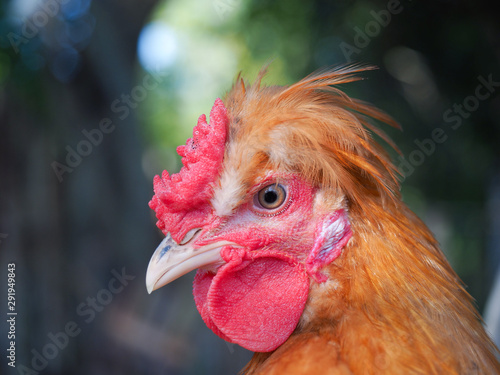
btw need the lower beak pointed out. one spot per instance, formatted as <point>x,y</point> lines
<point>171,260</point>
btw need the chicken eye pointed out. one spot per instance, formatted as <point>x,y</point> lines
<point>271,197</point>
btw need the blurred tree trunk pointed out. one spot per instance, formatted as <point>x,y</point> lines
<point>70,230</point>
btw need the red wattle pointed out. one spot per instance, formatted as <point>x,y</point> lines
<point>201,286</point>
<point>255,299</point>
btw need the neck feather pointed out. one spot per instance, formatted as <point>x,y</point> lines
<point>393,299</point>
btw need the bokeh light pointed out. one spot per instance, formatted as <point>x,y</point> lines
<point>157,47</point>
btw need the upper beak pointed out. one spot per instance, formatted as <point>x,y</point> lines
<point>171,260</point>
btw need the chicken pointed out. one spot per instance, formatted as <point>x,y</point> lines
<point>305,252</point>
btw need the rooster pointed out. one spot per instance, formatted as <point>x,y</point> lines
<point>305,252</point>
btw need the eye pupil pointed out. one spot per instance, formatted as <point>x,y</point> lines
<point>270,196</point>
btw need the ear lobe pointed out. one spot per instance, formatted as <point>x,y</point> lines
<point>332,234</point>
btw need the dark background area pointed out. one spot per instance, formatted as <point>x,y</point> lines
<point>72,223</point>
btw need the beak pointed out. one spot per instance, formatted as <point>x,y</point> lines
<point>171,260</point>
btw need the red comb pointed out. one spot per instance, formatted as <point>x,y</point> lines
<point>182,201</point>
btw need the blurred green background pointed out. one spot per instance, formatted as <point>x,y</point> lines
<point>96,95</point>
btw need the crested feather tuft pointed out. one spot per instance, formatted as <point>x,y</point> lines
<point>315,129</point>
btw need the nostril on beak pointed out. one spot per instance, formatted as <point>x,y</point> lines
<point>189,236</point>
<point>163,252</point>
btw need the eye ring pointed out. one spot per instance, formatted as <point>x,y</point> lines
<point>271,197</point>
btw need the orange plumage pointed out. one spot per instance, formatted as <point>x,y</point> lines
<point>391,303</point>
